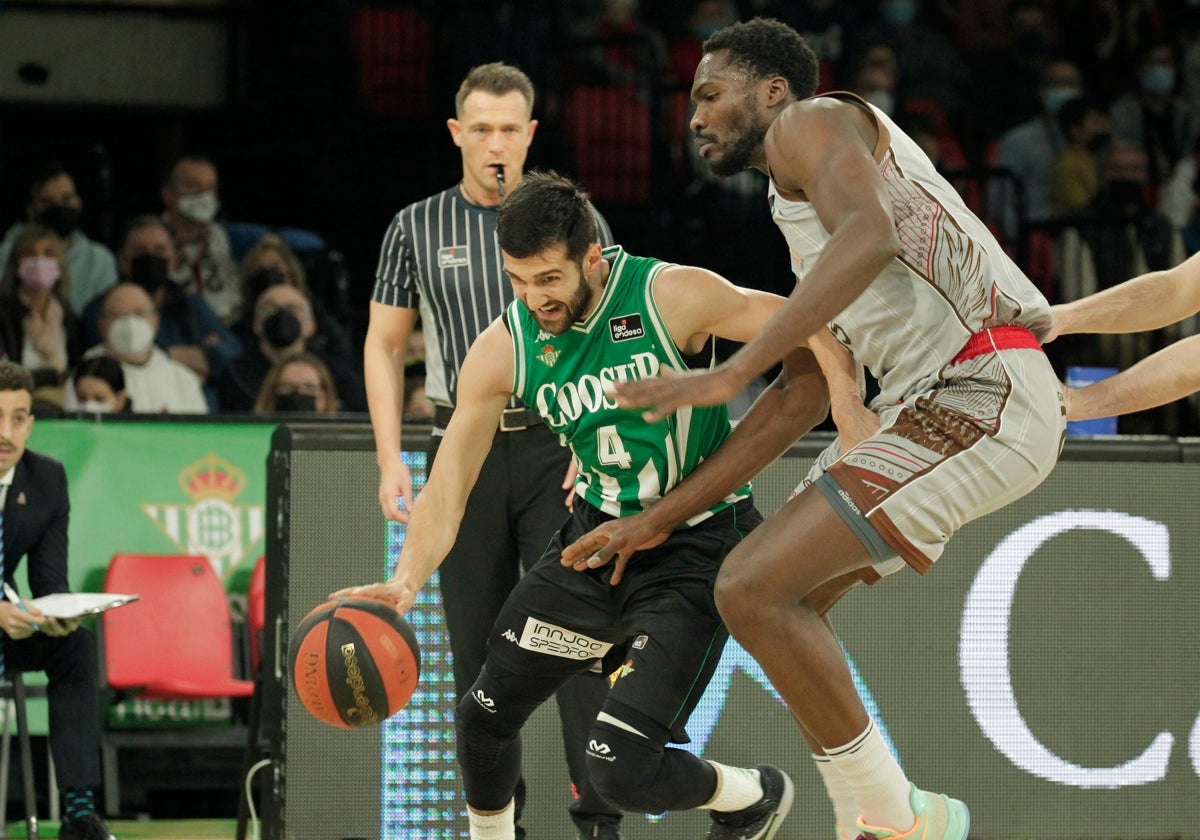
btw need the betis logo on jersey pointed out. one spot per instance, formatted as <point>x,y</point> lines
<point>549,355</point>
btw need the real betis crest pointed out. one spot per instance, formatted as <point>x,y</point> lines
<point>549,355</point>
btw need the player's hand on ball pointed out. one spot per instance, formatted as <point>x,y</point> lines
<point>399,595</point>
<point>613,542</point>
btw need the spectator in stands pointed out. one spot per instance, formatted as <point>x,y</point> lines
<point>206,267</point>
<point>629,53</point>
<point>283,323</point>
<point>270,261</point>
<point>827,26</point>
<point>876,76</point>
<point>55,203</point>
<point>298,382</point>
<point>1154,117</point>
<point>1118,236</point>
<point>1029,151</point>
<point>34,518</point>
<point>1179,199</point>
<point>37,325</point>
<point>1075,179</point>
<point>189,331</point>
<point>1008,76</point>
<point>156,383</point>
<point>100,386</point>
<point>930,66</point>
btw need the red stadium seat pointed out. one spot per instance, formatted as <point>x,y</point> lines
<point>256,610</point>
<point>176,642</point>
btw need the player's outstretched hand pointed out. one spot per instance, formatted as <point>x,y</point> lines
<point>663,394</point>
<point>396,593</point>
<point>614,542</point>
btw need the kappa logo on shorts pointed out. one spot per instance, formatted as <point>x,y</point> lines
<point>544,637</point>
<point>510,635</point>
<point>455,256</point>
<point>626,327</point>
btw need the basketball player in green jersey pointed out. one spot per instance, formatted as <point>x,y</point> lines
<point>583,319</point>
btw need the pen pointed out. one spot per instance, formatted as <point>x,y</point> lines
<point>12,595</point>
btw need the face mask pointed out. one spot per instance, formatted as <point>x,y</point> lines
<point>1158,79</point>
<point>149,271</point>
<point>281,329</point>
<point>60,218</point>
<point>95,407</point>
<point>1126,193</point>
<point>295,402</point>
<point>130,336</point>
<point>1054,98</point>
<point>264,279</point>
<point>39,274</point>
<point>884,100</point>
<point>898,12</point>
<point>1098,142</point>
<point>199,207</point>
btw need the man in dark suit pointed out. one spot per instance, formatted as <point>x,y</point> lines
<point>34,510</point>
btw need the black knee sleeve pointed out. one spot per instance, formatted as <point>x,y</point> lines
<point>488,722</point>
<point>642,775</point>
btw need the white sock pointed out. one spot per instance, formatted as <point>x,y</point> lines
<point>875,779</point>
<point>500,826</point>
<point>845,806</point>
<point>737,788</point>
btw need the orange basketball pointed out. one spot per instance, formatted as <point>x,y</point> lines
<point>355,661</point>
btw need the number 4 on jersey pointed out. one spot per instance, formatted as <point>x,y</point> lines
<point>610,449</point>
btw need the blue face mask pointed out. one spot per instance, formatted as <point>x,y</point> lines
<point>1054,98</point>
<point>898,12</point>
<point>1158,79</point>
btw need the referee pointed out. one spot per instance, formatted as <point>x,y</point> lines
<point>440,261</point>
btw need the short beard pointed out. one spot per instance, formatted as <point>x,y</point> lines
<point>575,309</point>
<point>740,154</point>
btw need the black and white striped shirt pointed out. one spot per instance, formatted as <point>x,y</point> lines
<point>440,256</point>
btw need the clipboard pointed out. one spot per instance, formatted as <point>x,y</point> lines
<point>80,604</point>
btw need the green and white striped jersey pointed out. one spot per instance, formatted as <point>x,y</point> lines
<point>626,464</point>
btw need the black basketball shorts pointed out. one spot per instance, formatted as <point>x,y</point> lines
<point>656,636</point>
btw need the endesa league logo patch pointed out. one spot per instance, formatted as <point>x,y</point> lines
<point>625,327</point>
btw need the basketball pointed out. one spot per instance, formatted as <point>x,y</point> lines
<point>354,661</point>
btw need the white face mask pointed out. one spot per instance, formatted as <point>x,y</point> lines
<point>199,207</point>
<point>130,336</point>
<point>95,407</point>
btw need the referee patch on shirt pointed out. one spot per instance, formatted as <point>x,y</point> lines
<point>625,327</point>
<point>453,257</point>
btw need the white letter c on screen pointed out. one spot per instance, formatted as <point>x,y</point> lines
<point>983,649</point>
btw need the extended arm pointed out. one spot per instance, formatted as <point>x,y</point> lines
<point>484,386</point>
<point>1146,302</point>
<point>383,370</point>
<point>1168,375</point>
<point>789,408</point>
<point>822,149</point>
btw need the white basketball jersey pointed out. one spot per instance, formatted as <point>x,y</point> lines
<point>950,281</point>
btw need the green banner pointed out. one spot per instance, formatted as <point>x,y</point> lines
<point>160,487</point>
